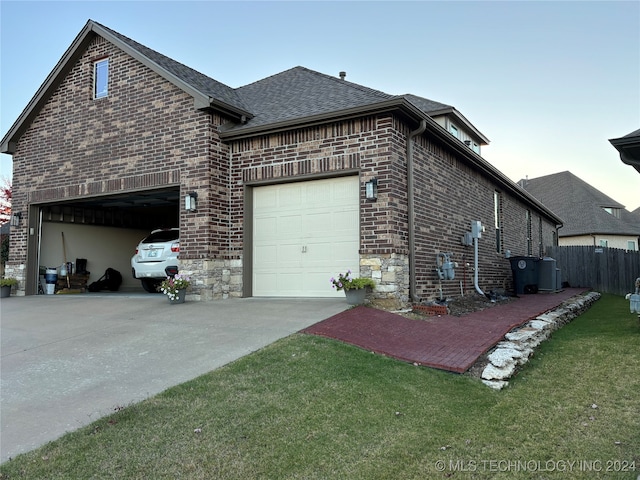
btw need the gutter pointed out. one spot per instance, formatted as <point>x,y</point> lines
<point>411,211</point>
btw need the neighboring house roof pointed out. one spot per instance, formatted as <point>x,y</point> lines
<point>629,148</point>
<point>294,98</point>
<point>581,206</point>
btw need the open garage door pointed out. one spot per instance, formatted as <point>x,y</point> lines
<point>304,233</point>
<point>103,230</point>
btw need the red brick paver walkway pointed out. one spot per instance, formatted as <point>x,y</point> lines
<point>446,342</point>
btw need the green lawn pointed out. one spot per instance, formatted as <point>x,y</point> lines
<point>312,408</point>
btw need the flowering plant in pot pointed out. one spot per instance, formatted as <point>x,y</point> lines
<point>355,289</point>
<point>172,286</point>
<point>346,282</point>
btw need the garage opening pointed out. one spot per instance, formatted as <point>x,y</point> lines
<point>104,231</point>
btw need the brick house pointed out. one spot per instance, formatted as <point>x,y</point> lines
<point>118,134</point>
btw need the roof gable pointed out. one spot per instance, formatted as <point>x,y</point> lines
<point>185,77</point>
<point>207,93</point>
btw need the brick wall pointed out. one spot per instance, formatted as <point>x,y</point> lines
<point>449,195</point>
<point>145,134</point>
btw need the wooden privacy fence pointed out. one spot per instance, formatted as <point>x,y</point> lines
<point>606,270</point>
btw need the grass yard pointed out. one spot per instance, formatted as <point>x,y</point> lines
<point>312,408</point>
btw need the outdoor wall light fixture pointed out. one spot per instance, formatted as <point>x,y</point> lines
<point>190,202</point>
<point>371,189</point>
<point>15,219</point>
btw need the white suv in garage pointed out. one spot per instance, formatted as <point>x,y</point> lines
<point>156,258</point>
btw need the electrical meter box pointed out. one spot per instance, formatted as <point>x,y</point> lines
<point>476,229</point>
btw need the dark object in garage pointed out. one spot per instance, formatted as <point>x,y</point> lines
<point>81,266</point>
<point>111,280</point>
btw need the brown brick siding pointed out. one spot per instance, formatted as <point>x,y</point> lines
<point>449,195</point>
<point>145,134</point>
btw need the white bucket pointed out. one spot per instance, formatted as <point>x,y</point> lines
<point>51,288</point>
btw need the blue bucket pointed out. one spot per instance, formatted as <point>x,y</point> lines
<point>51,277</point>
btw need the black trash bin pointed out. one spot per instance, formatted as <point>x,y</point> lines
<point>525,274</point>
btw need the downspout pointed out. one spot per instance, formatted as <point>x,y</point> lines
<point>411,211</point>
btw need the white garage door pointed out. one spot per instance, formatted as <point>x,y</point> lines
<point>303,234</point>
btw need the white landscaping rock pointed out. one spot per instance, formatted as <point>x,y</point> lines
<point>547,317</point>
<point>505,356</point>
<point>539,324</point>
<point>512,345</point>
<point>491,372</point>
<point>519,344</point>
<point>495,384</point>
<point>524,335</point>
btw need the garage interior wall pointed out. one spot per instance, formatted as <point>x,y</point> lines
<point>103,247</point>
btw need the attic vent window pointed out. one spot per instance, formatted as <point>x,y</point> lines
<point>612,211</point>
<point>101,78</point>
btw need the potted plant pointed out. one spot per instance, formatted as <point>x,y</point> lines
<point>5,286</point>
<point>175,288</point>
<point>355,289</point>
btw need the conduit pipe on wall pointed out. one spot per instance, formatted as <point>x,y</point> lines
<point>475,266</point>
<point>411,211</point>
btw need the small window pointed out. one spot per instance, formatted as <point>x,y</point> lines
<point>476,148</point>
<point>604,243</point>
<point>631,245</point>
<point>497,216</point>
<point>528,220</point>
<point>453,129</point>
<point>540,241</point>
<point>101,78</point>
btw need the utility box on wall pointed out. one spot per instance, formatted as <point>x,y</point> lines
<point>476,229</point>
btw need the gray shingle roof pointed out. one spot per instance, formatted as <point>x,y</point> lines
<point>426,105</point>
<point>298,93</point>
<point>293,94</point>
<point>580,206</point>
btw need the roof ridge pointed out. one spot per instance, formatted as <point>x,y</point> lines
<point>358,86</point>
<point>339,81</point>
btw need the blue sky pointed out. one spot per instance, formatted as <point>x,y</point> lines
<point>547,82</point>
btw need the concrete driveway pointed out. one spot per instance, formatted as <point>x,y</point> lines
<point>68,360</point>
